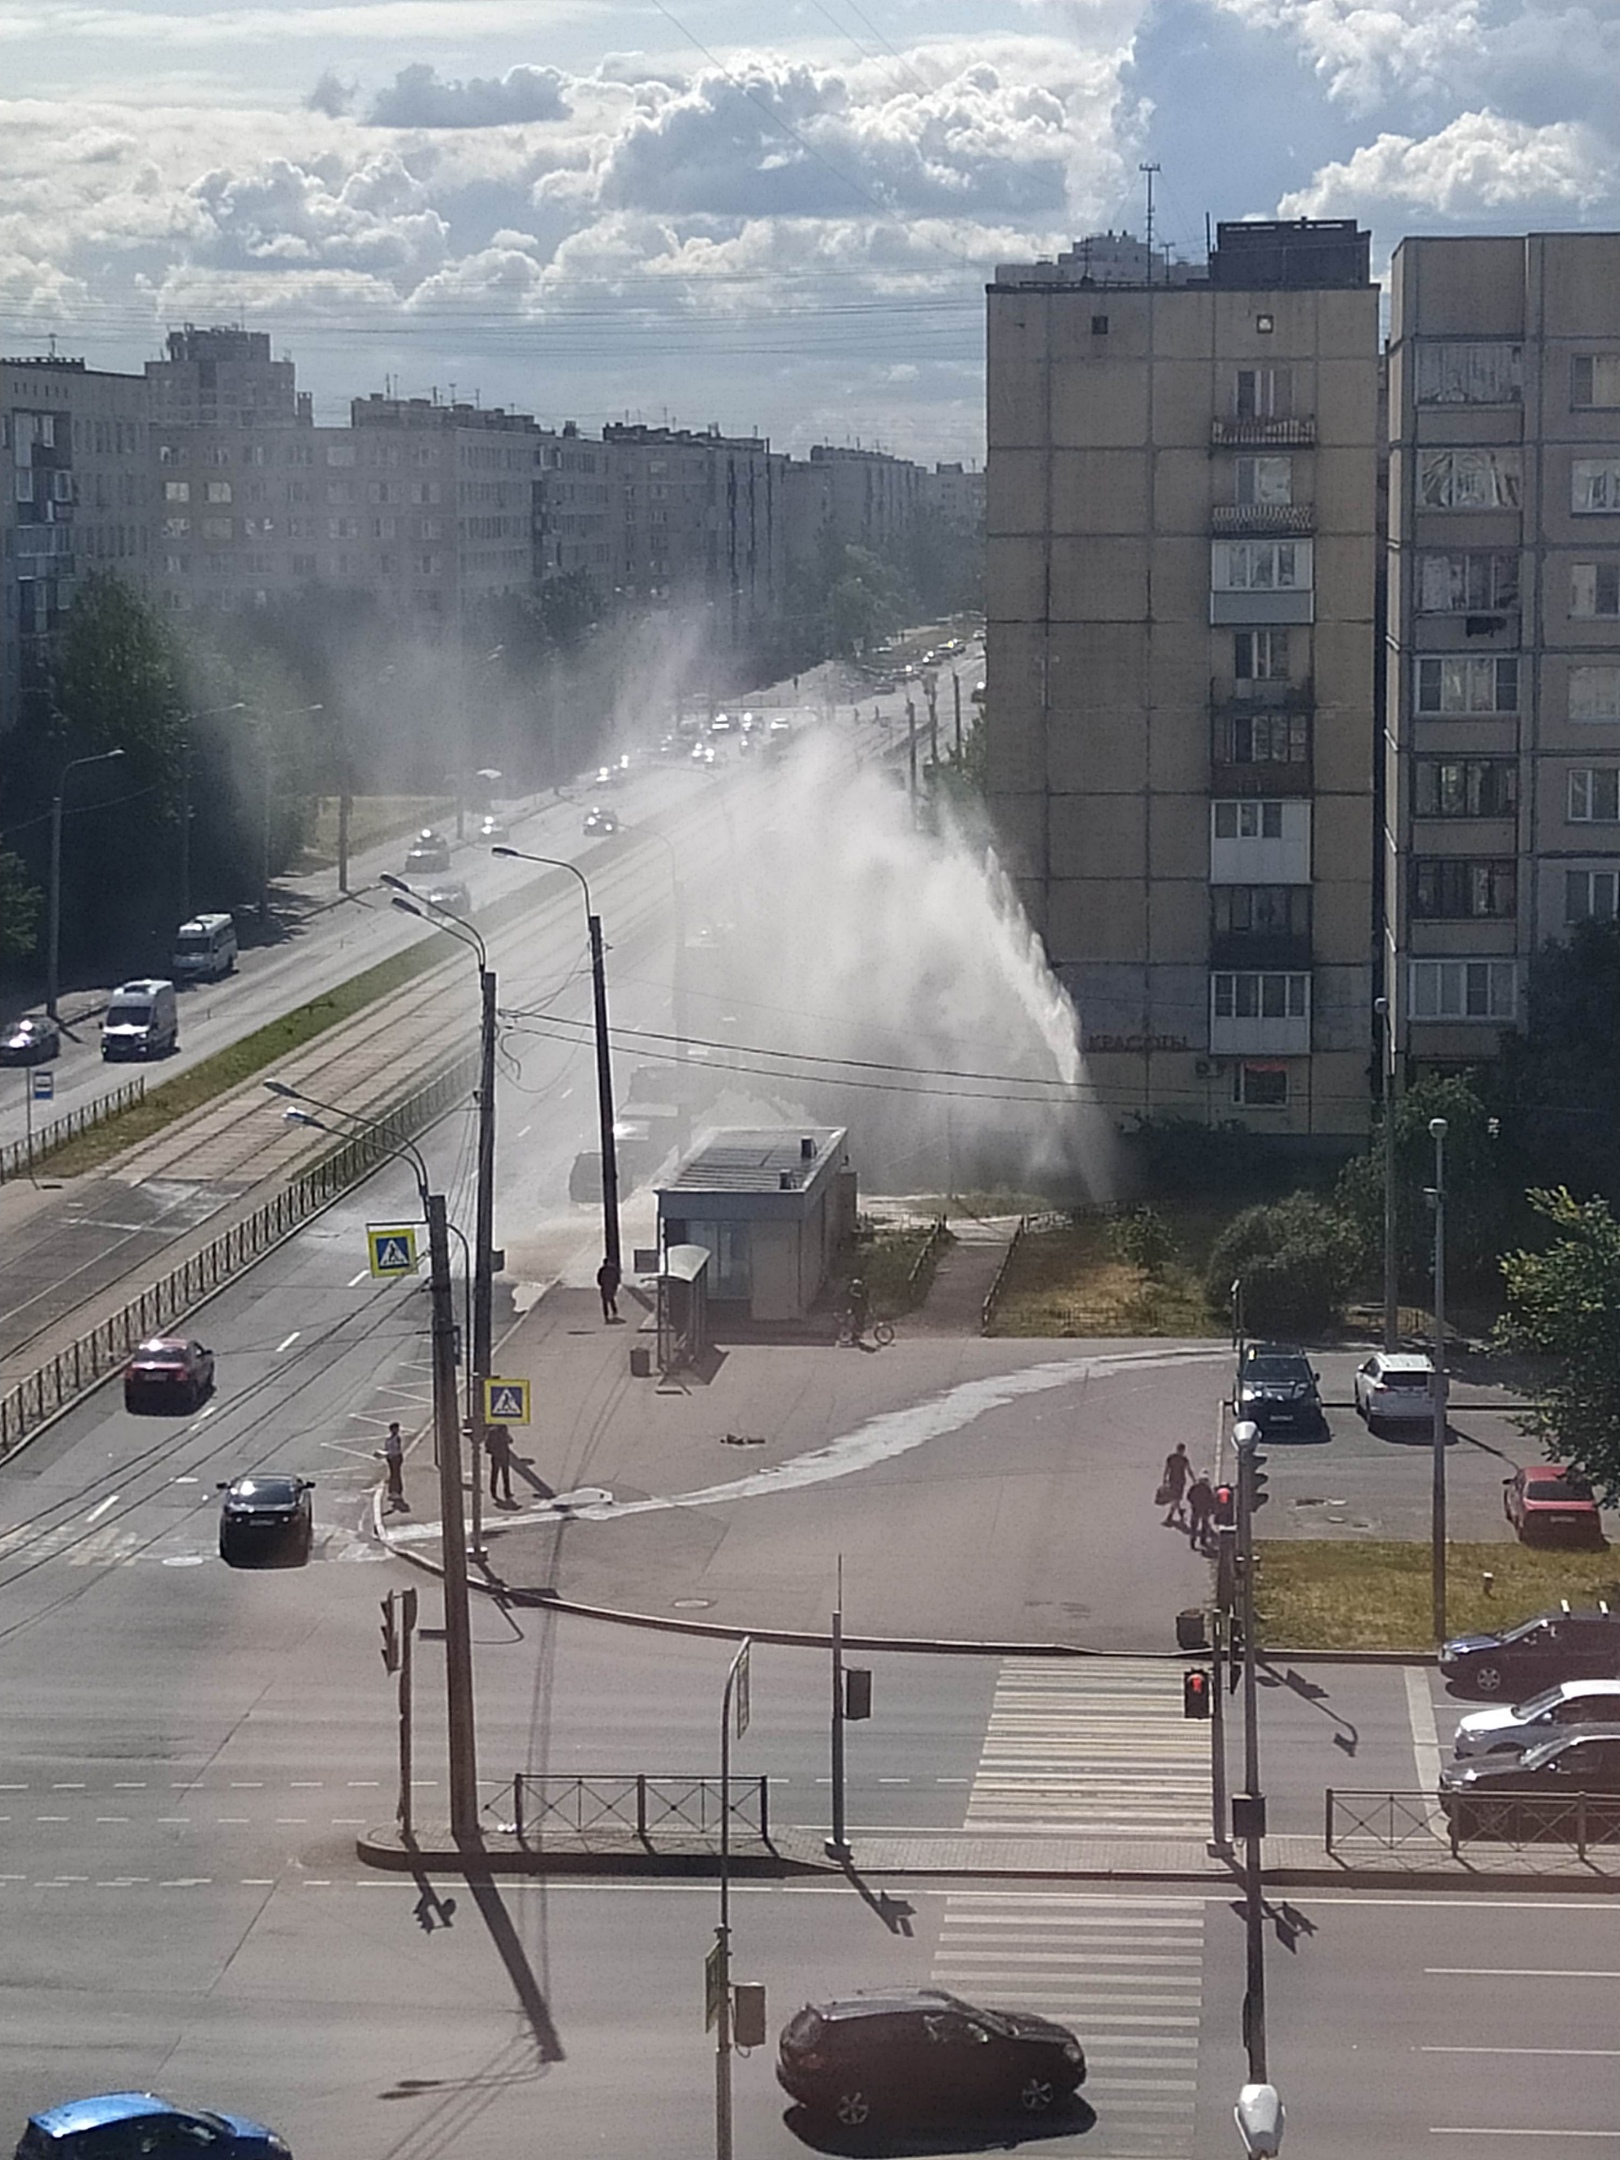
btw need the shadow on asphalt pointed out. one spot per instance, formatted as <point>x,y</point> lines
<point>1347,1736</point>
<point>509,1947</point>
<point>894,2141</point>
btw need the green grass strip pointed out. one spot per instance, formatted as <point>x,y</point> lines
<point>1374,1593</point>
<point>217,1075</point>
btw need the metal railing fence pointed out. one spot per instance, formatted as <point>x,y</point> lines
<point>647,1808</point>
<point>19,1157</point>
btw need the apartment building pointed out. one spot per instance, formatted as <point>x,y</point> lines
<point>1183,529</point>
<point>576,509</point>
<point>954,495</point>
<point>80,496</point>
<point>1502,751</point>
<point>697,522</point>
<point>856,498</point>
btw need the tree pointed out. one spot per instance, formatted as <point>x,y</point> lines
<point>1481,1190</point>
<point>117,680</point>
<point>1563,1304</point>
<point>1296,1260</point>
<point>19,909</point>
<point>1558,1084</point>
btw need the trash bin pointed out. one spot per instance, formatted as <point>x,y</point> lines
<point>1190,1629</point>
<point>640,1362</point>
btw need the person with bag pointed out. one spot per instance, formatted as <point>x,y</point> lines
<point>1173,1485</point>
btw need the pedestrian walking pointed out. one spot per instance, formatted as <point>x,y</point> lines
<point>498,1447</point>
<point>608,1279</point>
<point>393,1454</point>
<point>1173,1484</point>
<point>860,1304</point>
<point>1200,1510</point>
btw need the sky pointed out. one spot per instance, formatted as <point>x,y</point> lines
<point>779,216</point>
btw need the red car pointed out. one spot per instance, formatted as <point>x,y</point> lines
<point>1547,1501</point>
<point>168,1373</point>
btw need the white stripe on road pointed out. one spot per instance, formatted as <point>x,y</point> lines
<point>101,1507</point>
<point>354,1279</point>
<point>1460,2130</point>
<point>1518,1972</point>
<point>1436,2050</point>
<point>287,1341</point>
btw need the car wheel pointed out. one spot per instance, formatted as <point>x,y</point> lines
<point>1036,2095</point>
<point>1486,1679</point>
<point>853,2108</point>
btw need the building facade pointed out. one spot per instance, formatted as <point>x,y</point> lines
<point>1183,528</point>
<point>696,523</point>
<point>1502,750</point>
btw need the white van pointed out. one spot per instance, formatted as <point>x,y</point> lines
<point>142,1021</point>
<point>204,949</point>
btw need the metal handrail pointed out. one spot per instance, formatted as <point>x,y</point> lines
<point>1392,1820</point>
<point>630,1803</point>
<point>18,1157</point>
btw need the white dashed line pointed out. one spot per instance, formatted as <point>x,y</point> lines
<point>355,1279</point>
<point>101,1507</point>
<point>287,1341</point>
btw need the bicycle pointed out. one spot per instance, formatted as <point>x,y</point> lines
<point>880,1333</point>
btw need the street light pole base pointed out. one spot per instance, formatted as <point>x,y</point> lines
<point>838,1849</point>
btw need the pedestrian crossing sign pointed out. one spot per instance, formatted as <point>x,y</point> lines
<point>506,1402</point>
<point>392,1248</point>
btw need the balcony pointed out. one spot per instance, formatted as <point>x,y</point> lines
<point>1248,434</point>
<point>1259,1013</point>
<point>1238,519</point>
<point>1246,950</point>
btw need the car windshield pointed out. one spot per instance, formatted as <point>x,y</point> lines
<point>191,941</point>
<point>128,1015</point>
<point>1276,1368</point>
<point>1557,1488</point>
<point>1524,1629</point>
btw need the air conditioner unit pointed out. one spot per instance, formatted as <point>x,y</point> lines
<point>1209,1068</point>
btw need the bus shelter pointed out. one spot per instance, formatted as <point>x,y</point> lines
<point>683,1306</point>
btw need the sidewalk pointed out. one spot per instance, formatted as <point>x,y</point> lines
<point>964,1275</point>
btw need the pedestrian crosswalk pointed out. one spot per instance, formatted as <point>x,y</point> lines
<point>1096,1748</point>
<point>1126,1973</point>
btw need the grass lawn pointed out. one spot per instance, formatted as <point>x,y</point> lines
<point>255,1053</point>
<point>372,819</point>
<point>1373,1594</point>
<point>884,1261</point>
<point>1068,1281</point>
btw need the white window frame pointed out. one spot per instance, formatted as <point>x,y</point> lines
<point>1594,381</point>
<point>1441,991</point>
<point>1440,571</point>
<point>1285,990</point>
<point>1594,487</point>
<point>1593,796</point>
<point>1480,372</point>
<point>1262,482</point>
<point>1594,691</point>
<point>1457,685</point>
<point>1246,818</point>
<point>1601,897</point>
<point>1260,566</point>
<point>1272,1068</point>
<point>1473,478</point>
<point>1594,589</point>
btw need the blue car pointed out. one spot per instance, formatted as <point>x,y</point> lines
<point>140,2126</point>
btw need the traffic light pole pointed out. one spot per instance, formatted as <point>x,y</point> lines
<point>837,1846</point>
<point>453,1534</point>
<point>1254,2001</point>
<point>1221,1838</point>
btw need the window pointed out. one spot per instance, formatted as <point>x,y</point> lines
<point>1260,1087</point>
<point>1591,895</point>
<point>1256,996</point>
<point>1468,480</point>
<point>217,491</point>
<point>1594,588</point>
<point>1594,486</point>
<point>1594,692</point>
<point>343,528</point>
<point>1465,787</point>
<point>1099,325</point>
<point>1263,394</point>
<point>1462,684</point>
<point>176,528</point>
<point>1260,656</point>
<point>340,491</point>
<point>218,454</point>
<point>299,454</point>
<point>171,453</point>
<point>1262,910</point>
<point>1466,581</point>
<point>1594,795</point>
<point>340,453</point>
<point>1259,480</point>
<point>177,491</point>
<point>1461,989</point>
<point>1264,738</point>
<point>216,528</point>
<point>1467,374</point>
<point>1445,889</point>
<point>1248,820</point>
<point>1260,565</point>
<point>1594,380</point>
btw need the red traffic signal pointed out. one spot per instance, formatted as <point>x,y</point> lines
<point>1225,1508</point>
<point>1195,1693</point>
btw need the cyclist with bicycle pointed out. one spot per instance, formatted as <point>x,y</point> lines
<point>856,1307</point>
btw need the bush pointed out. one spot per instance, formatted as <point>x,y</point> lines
<point>1180,1155</point>
<point>1297,1261</point>
<point>1142,1239</point>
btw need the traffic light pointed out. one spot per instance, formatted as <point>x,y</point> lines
<point>857,1692</point>
<point>390,1636</point>
<point>1195,1693</point>
<point>1258,1496</point>
<point>1225,1508</point>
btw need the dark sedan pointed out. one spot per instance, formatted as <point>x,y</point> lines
<point>920,2052</point>
<point>168,1373</point>
<point>29,1042</point>
<point>1277,1390</point>
<point>1536,1654</point>
<point>1565,1791</point>
<point>266,1521</point>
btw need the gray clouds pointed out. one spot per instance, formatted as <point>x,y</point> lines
<point>418,98</point>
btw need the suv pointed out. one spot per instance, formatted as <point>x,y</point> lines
<point>1277,1390</point>
<point>130,2125</point>
<point>1536,1654</point>
<point>1395,1387</point>
<point>920,2051</point>
<point>266,1518</point>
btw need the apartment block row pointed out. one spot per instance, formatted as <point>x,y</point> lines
<point>205,479</point>
<point>1304,651</point>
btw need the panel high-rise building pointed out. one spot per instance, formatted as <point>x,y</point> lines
<point>1183,533</point>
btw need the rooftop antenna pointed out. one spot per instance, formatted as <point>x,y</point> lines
<point>1149,170</point>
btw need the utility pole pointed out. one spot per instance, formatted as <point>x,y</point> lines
<point>736,1692</point>
<point>911,750</point>
<point>453,1534</point>
<point>956,698</point>
<point>266,777</point>
<point>53,912</point>
<point>185,825</point>
<point>483,1246</point>
<point>1149,171</point>
<point>1251,1826</point>
<point>837,1846</point>
<point>1392,1309</point>
<point>604,1098</point>
<point>1437,1528</point>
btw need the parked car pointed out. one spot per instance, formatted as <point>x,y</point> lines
<point>429,853</point>
<point>925,2053</point>
<point>266,1521</point>
<point>121,2125</point>
<point>1548,1504</point>
<point>168,1372</point>
<point>1395,1387</point>
<point>142,1020</point>
<point>599,821</point>
<point>1277,1390</point>
<point>449,893</point>
<point>31,1041</point>
<point>1511,1728</point>
<point>1536,1654</point>
<point>1524,1797</point>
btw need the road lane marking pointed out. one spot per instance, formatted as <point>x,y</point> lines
<point>1425,1733</point>
<point>254,1784</point>
<point>354,1280</point>
<point>1462,2130</point>
<point>1515,2051</point>
<point>287,1341</point>
<point>101,1507</point>
<point>69,1785</point>
<point>1510,1972</point>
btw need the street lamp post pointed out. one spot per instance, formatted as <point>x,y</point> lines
<point>483,1268</point>
<point>53,932</point>
<point>187,721</point>
<point>267,777</point>
<point>611,1249</point>
<point>1246,1438</point>
<point>1437,1531</point>
<point>460,1717</point>
<point>722,1934</point>
<point>1392,1314</point>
